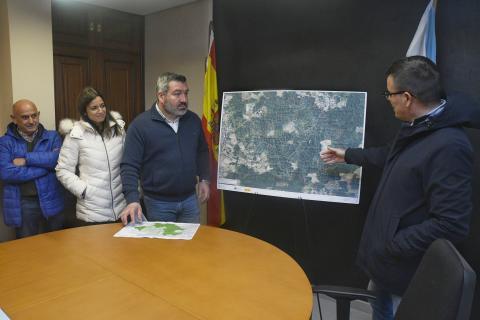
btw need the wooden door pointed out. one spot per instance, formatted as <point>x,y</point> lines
<point>121,83</point>
<point>72,72</point>
<point>99,47</point>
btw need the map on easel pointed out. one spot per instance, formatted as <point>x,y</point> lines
<point>270,143</point>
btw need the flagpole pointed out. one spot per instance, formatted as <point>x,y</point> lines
<point>209,39</point>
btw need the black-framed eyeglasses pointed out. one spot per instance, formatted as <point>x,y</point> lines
<point>387,94</point>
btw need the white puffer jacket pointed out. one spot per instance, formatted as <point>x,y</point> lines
<point>98,161</point>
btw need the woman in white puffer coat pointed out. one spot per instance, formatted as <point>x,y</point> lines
<point>95,145</point>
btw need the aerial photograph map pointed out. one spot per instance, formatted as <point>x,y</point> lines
<point>270,143</point>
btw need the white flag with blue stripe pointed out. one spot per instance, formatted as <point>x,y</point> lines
<point>424,42</point>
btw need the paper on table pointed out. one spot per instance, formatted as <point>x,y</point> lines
<point>159,229</point>
<point>3,315</point>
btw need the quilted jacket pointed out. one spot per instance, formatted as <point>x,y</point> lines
<point>97,183</point>
<point>40,167</point>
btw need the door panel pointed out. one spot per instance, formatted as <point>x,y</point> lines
<point>72,74</point>
<point>121,84</point>
<point>99,47</point>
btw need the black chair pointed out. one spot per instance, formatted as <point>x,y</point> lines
<point>441,289</point>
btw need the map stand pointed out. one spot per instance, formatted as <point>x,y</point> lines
<point>309,258</point>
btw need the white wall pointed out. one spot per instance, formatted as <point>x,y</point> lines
<point>26,64</point>
<point>176,40</point>
<point>31,52</point>
<point>5,92</point>
<point>5,70</point>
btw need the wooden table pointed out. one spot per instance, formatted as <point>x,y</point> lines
<point>86,273</point>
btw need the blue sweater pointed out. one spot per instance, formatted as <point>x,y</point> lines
<point>40,168</point>
<point>166,163</point>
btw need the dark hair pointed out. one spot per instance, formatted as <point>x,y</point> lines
<point>419,76</point>
<point>165,78</point>
<point>86,96</point>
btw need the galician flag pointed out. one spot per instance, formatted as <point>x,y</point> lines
<point>211,129</point>
<point>424,42</point>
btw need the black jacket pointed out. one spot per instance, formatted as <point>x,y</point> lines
<point>424,194</point>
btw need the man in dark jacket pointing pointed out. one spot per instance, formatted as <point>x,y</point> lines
<point>425,189</point>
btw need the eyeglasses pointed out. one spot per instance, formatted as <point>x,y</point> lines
<point>387,94</point>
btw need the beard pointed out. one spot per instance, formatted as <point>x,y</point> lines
<point>177,111</point>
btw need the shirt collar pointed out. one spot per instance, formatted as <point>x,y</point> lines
<point>435,111</point>
<point>26,136</point>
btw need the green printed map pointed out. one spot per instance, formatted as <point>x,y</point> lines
<point>157,229</point>
<point>166,229</point>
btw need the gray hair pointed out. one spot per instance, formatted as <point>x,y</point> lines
<point>166,78</point>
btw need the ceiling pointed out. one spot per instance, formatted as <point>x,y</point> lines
<point>141,7</point>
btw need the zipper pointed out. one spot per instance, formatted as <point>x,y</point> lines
<point>110,178</point>
<point>180,153</point>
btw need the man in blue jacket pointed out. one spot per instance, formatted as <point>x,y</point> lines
<point>32,196</point>
<point>425,189</point>
<point>166,151</point>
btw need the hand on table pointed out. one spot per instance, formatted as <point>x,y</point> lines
<point>134,211</point>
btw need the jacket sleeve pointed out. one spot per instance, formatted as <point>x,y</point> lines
<point>10,173</point>
<point>203,158</point>
<point>46,159</point>
<point>447,184</point>
<point>376,156</point>
<point>131,163</point>
<point>66,167</point>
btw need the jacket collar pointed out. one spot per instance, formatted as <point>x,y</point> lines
<point>454,114</point>
<point>88,126</point>
<point>450,114</point>
<point>12,131</point>
<point>154,113</point>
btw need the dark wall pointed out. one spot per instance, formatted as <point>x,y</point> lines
<point>335,45</point>
<point>458,30</point>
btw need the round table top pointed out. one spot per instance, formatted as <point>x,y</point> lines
<point>86,273</point>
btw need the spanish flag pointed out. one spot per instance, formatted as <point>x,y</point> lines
<point>211,129</point>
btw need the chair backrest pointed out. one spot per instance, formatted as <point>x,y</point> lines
<point>442,287</point>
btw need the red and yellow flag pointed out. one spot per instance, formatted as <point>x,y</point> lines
<point>211,129</point>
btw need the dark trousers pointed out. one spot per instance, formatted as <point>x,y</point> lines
<point>33,221</point>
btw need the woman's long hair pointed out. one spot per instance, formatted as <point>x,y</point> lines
<point>86,96</point>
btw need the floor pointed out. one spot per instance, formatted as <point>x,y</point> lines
<point>359,310</point>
